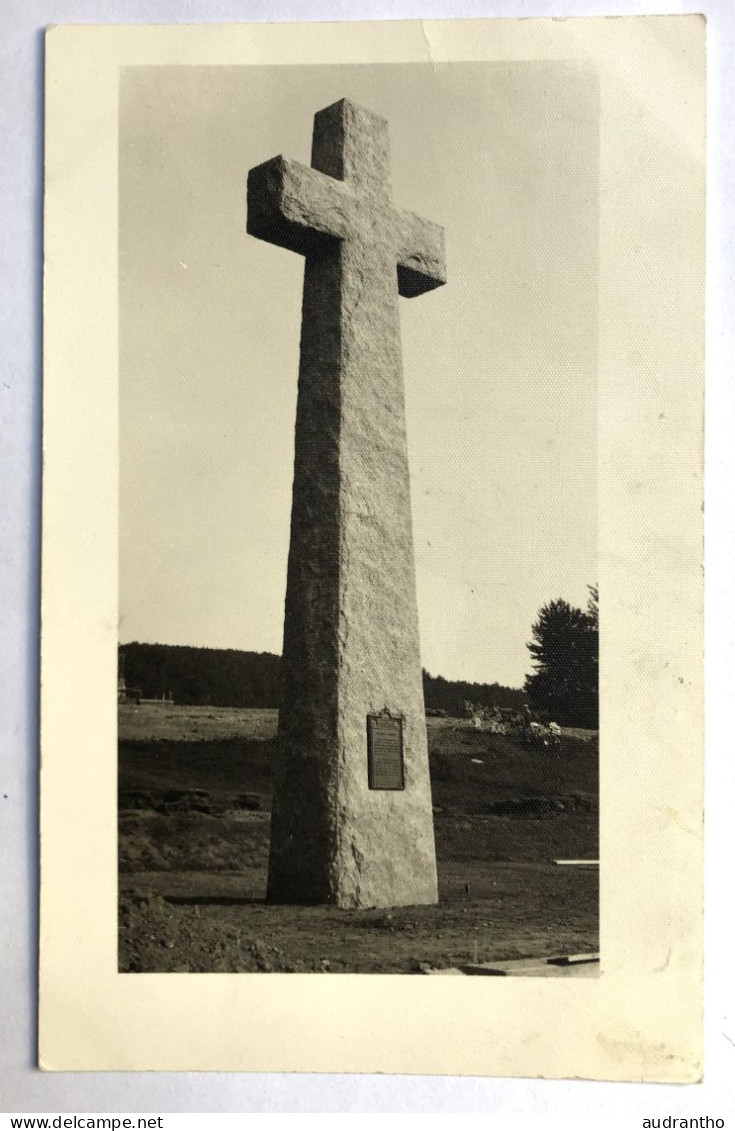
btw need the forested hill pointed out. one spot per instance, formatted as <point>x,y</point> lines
<point>222,677</point>
<point>450,695</point>
<point>215,677</point>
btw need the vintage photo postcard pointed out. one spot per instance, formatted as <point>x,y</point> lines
<point>372,544</point>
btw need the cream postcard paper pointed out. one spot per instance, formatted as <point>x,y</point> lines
<point>162,353</point>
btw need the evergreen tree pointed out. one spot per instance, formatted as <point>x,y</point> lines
<point>565,651</point>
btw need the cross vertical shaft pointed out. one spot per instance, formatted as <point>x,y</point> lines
<point>351,647</point>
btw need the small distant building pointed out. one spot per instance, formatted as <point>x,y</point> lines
<point>126,694</point>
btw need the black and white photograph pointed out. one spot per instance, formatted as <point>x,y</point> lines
<point>399,774</point>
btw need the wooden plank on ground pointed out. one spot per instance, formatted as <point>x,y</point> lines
<point>561,966</point>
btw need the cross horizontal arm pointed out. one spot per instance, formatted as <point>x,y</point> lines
<point>420,255</point>
<point>296,207</point>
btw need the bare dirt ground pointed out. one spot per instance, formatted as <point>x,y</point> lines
<point>195,796</point>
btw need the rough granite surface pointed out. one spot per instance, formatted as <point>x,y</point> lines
<point>351,646</point>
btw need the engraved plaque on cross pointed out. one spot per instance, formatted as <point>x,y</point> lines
<point>385,752</point>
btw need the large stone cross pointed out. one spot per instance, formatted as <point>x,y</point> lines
<point>345,198</point>
<point>352,821</point>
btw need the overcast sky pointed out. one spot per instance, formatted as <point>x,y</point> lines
<point>500,364</point>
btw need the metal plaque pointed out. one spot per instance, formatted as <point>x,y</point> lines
<point>385,752</point>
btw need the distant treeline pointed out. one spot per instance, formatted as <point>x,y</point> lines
<point>223,677</point>
<point>213,677</point>
<point>450,695</point>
